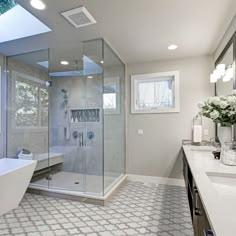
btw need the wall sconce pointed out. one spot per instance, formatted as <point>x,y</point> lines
<point>213,79</point>
<point>221,69</point>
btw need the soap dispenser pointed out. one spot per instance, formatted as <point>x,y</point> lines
<point>197,129</point>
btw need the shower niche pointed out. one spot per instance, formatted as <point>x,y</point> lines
<point>49,116</point>
<point>84,115</point>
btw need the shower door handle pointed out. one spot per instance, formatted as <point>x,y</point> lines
<point>82,138</point>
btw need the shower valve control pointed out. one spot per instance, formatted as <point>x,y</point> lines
<point>75,134</point>
<point>90,135</point>
<point>48,84</point>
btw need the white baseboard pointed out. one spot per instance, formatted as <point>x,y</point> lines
<point>156,180</point>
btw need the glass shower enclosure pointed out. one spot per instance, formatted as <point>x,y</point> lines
<point>66,109</point>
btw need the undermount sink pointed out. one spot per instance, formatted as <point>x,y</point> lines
<point>224,183</point>
<point>203,148</point>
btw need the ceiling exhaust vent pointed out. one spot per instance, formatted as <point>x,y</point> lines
<point>79,17</point>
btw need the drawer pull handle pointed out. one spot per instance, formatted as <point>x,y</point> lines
<point>208,232</point>
<point>196,208</point>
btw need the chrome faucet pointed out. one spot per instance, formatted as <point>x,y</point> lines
<point>81,139</point>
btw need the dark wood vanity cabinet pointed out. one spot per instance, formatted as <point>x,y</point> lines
<point>200,221</point>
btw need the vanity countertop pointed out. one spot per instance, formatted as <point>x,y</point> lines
<point>219,198</point>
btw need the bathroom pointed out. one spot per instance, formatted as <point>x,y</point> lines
<point>101,132</point>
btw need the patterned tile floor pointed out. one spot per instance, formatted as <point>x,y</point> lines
<point>136,209</point>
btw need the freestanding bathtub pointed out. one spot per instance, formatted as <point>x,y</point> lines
<point>15,176</point>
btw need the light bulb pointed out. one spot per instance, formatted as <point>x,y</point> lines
<point>221,69</point>
<point>172,47</point>
<point>213,79</point>
<point>216,74</point>
<point>38,4</point>
<point>65,63</point>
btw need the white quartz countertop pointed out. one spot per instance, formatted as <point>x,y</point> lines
<point>220,207</point>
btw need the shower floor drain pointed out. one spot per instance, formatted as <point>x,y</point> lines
<point>76,182</point>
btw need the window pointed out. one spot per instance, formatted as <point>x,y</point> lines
<point>109,101</point>
<point>31,102</point>
<point>111,95</point>
<point>155,93</point>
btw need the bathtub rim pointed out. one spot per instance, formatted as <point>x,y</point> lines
<point>21,164</point>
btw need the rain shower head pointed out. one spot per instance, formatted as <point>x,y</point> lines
<point>64,91</point>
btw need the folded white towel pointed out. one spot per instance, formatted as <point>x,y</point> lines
<point>25,156</point>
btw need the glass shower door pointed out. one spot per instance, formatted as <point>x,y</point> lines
<point>67,126</point>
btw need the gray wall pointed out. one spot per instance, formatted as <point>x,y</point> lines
<point>157,151</point>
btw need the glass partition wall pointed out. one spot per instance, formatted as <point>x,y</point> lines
<point>114,118</point>
<point>66,110</point>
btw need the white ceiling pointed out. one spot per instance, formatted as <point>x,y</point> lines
<point>138,30</point>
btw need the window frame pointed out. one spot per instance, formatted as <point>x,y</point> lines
<point>136,79</point>
<point>15,75</point>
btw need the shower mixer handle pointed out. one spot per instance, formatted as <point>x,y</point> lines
<point>81,139</point>
<point>65,131</point>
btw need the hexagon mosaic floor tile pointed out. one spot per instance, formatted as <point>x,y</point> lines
<point>135,209</point>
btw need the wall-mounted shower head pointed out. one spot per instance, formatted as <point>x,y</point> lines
<point>63,90</point>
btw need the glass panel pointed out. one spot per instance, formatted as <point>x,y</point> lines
<point>27,129</point>
<point>93,71</point>
<point>114,118</point>
<point>146,95</point>
<point>67,131</point>
<point>157,94</point>
<point>76,121</point>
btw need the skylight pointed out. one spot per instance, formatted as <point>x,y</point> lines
<point>43,64</point>
<point>18,23</point>
<point>6,5</point>
<point>89,68</point>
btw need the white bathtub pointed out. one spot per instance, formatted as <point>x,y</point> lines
<point>15,175</point>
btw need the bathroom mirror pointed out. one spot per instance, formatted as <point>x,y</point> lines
<point>225,85</point>
<point>227,59</point>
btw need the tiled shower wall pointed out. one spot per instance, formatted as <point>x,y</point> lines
<point>83,93</point>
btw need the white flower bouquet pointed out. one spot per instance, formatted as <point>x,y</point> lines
<point>220,109</point>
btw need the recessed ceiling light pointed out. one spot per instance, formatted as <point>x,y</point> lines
<point>38,4</point>
<point>101,62</point>
<point>90,77</point>
<point>64,63</point>
<point>172,47</point>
